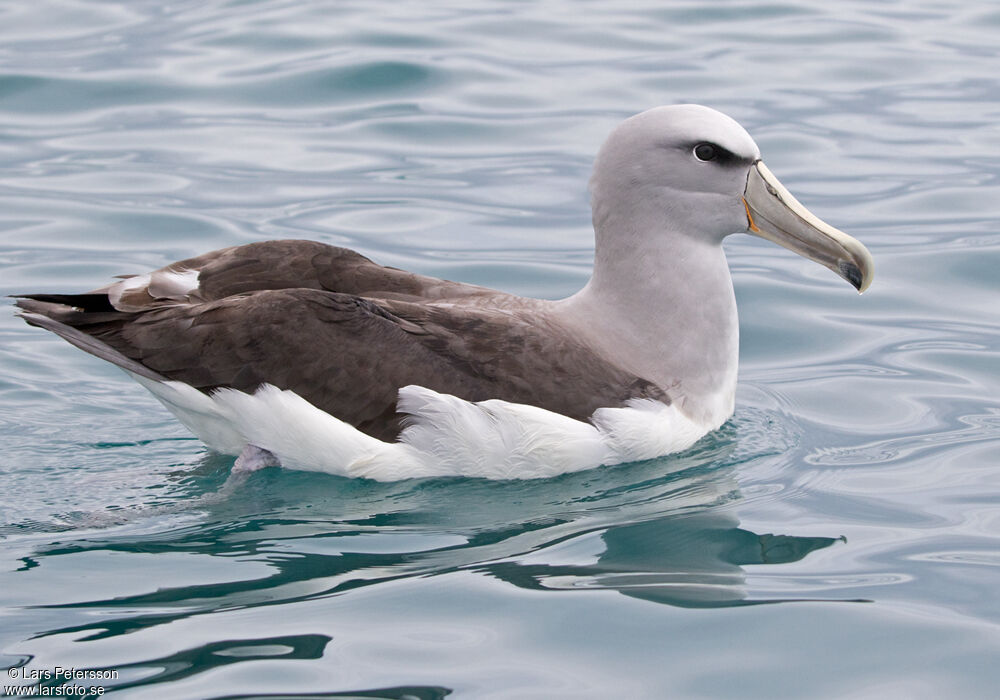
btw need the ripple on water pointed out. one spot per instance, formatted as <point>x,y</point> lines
<point>919,444</point>
<point>861,463</point>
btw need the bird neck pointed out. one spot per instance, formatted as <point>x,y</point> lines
<point>660,303</point>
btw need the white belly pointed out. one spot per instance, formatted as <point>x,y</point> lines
<point>446,435</point>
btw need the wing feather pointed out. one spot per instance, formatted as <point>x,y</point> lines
<point>340,331</point>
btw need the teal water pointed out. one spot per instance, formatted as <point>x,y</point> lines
<point>838,538</point>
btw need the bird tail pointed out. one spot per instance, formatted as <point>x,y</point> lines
<point>68,315</point>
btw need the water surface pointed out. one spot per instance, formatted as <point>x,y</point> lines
<point>837,538</point>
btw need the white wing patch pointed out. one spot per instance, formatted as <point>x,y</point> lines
<point>174,285</point>
<point>444,435</point>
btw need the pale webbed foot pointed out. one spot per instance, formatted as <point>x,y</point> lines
<point>253,458</point>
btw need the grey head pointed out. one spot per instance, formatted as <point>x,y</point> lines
<point>688,170</point>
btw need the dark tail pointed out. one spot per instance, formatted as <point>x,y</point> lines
<point>83,302</point>
<point>67,314</point>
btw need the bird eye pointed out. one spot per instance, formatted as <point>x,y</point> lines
<point>705,152</point>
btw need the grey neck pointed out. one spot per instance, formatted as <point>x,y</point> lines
<point>660,303</point>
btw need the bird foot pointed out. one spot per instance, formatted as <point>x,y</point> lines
<point>253,458</point>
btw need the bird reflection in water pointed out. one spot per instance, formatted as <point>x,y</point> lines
<point>691,560</point>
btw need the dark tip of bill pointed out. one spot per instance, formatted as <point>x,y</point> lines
<point>851,272</point>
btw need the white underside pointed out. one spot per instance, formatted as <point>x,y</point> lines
<point>445,435</point>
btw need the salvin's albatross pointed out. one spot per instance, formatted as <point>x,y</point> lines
<point>315,357</point>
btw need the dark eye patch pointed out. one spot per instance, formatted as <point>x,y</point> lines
<point>709,152</point>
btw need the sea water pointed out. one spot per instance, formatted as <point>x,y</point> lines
<point>837,538</point>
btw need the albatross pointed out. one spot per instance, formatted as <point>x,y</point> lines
<point>314,357</point>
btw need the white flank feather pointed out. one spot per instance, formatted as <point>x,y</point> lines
<point>646,428</point>
<point>444,435</point>
<point>496,439</point>
<point>198,412</point>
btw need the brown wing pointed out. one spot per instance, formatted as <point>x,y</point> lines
<point>286,264</point>
<point>349,355</point>
<point>523,355</point>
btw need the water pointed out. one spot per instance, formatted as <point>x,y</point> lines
<point>838,538</point>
